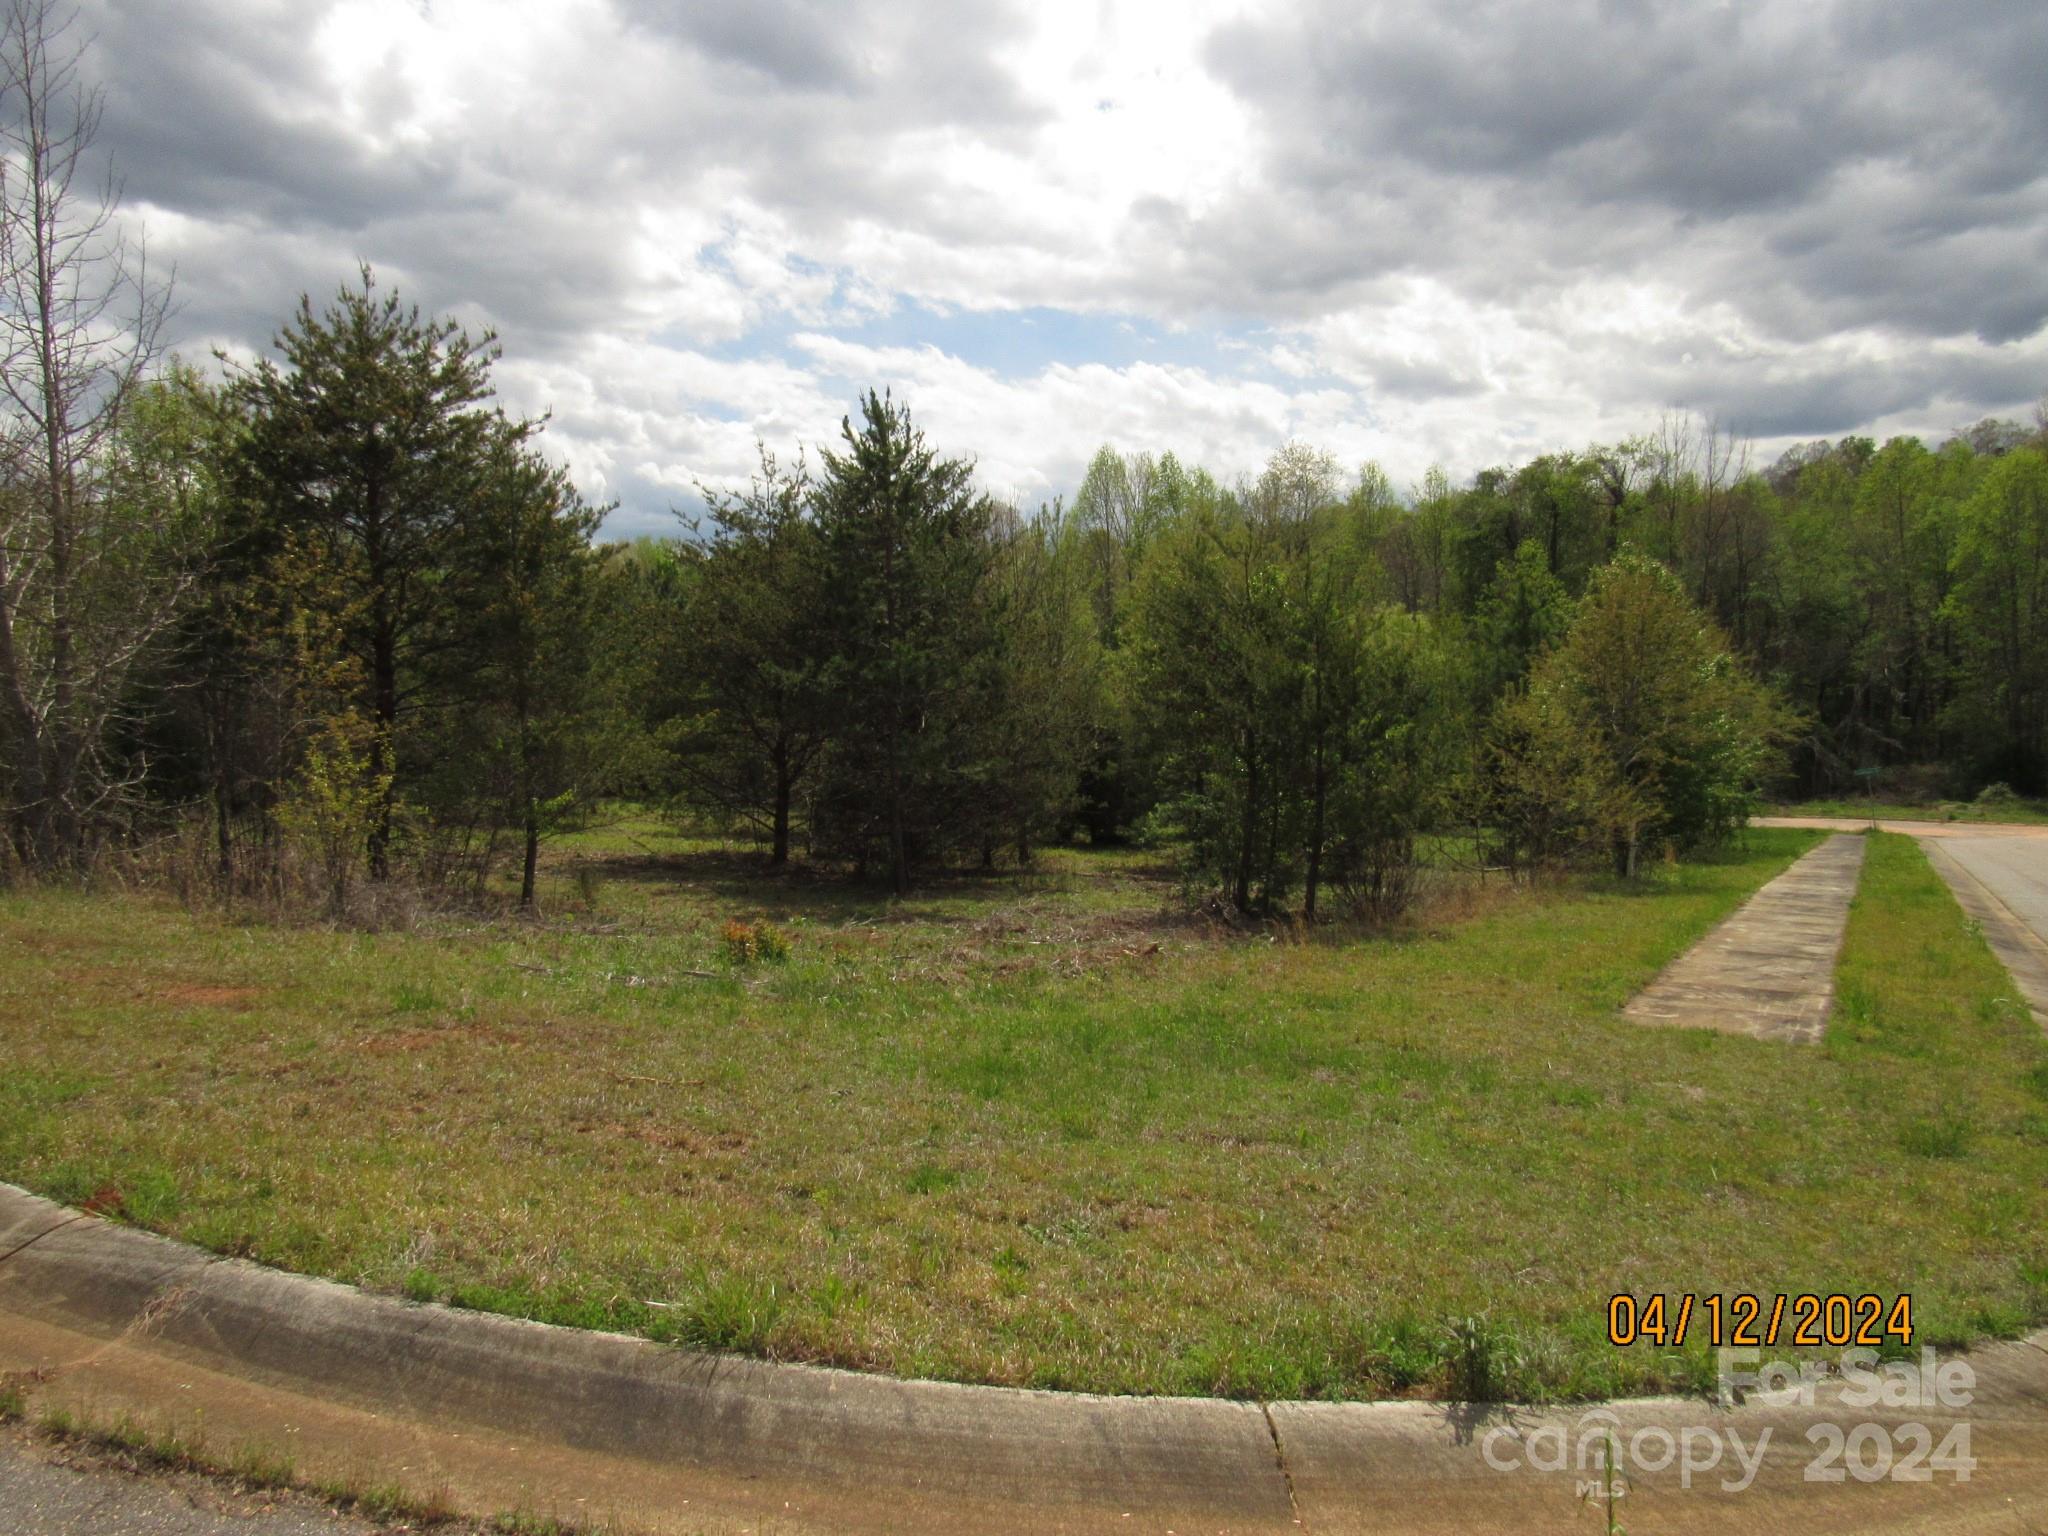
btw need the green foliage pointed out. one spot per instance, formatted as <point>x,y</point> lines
<point>750,717</point>
<point>1638,730</point>
<point>1483,1359</point>
<point>1522,615</point>
<point>729,1312</point>
<point>370,443</point>
<point>1211,685</point>
<point>1050,711</point>
<point>541,655</point>
<point>2000,610</point>
<point>409,642</point>
<point>338,798</point>
<point>914,668</point>
<point>1305,733</point>
<point>1392,765</point>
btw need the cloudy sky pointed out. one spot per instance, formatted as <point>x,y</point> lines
<point>1445,232</point>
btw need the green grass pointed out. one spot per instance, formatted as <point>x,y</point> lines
<point>2028,812</point>
<point>1042,1129</point>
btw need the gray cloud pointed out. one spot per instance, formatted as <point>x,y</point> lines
<point>1801,170</point>
<point>1485,221</point>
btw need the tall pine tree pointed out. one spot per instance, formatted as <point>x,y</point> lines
<point>913,668</point>
<point>371,438</point>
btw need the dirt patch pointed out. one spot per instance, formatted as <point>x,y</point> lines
<point>205,996</point>
<point>107,1200</point>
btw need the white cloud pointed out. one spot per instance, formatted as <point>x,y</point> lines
<point>1456,234</point>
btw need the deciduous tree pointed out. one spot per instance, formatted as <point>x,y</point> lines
<point>95,563</point>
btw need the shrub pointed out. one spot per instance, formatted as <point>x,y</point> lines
<point>746,943</point>
<point>1379,877</point>
<point>337,800</point>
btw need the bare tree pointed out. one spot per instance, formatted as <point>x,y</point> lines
<point>88,575</point>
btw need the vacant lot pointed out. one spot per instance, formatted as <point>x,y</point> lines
<point>1042,1129</point>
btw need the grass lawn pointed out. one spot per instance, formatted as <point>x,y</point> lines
<point>2031,812</point>
<point>1040,1130</point>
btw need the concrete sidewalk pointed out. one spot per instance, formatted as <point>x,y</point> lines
<point>494,1414</point>
<point>1769,969</point>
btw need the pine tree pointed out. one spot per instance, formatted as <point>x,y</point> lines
<point>372,437</point>
<point>543,724</point>
<point>754,716</point>
<point>912,672</point>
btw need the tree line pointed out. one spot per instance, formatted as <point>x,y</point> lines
<point>341,610</point>
<point>352,610</point>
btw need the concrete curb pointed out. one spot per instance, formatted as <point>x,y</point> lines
<point>500,1413</point>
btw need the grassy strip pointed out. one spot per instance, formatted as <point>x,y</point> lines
<point>1947,1076</point>
<point>2026,812</point>
<point>1037,1134</point>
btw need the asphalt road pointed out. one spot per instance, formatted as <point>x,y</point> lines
<point>50,1490</point>
<point>2014,869</point>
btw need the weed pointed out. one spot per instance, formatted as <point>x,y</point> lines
<point>833,1295</point>
<point>523,1523</point>
<point>1610,1486</point>
<point>127,1435</point>
<point>747,943</point>
<point>1401,1353</point>
<point>381,1501</point>
<point>1947,1136</point>
<point>261,1466</point>
<point>929,1179</point>
<point>730,1313</point>
<point>1483,1359</point>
